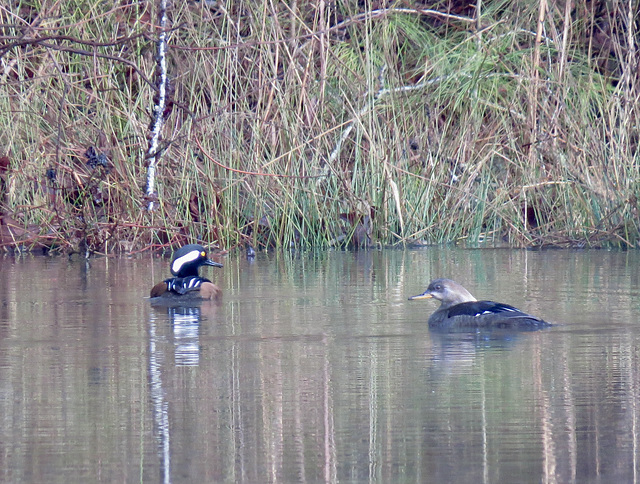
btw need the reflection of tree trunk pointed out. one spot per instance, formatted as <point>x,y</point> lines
<point>237,421</point>
<point>298,419</point>
<point>554,450</point>
<point>569,406</point>
<point>633,401</point>
<point>330,472</point>
<point>374,458</point>
<point>485,446</point>
<point>271,388</point>
<point>546,419</point>
<point>634,405</point>
<point>159,403</point>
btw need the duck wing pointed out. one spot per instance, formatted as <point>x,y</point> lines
<point>483,308</point>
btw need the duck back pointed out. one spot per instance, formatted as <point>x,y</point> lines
<point>484,314</point>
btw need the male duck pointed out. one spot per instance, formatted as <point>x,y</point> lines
<point>187,283</point>
<point>460,309</point>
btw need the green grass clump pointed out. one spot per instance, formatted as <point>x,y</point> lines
<point>296,124</point>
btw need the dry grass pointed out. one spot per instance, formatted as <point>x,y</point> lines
<point>319,124</point>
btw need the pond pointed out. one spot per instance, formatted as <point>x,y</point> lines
<point>315,367</point>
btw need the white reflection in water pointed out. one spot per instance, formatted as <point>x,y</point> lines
<point>160,405</point>
<point>185,324</point>
<point>186,327</point>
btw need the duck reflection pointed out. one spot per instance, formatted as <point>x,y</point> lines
<point>457,350</point>
<point>474,341</point>
<point>186,329</point>
<point>185,321</point>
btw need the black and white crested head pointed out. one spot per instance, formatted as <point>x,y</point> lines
<point>188,259</point>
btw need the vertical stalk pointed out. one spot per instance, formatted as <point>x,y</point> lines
<point>533,97</point>
<point>159,107</point>
<point>479,24</point>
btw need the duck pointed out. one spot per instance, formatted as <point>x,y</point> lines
<point>459,309</point>
<point>187,283</point>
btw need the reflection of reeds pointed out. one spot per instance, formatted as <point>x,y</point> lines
<point>291,125</point>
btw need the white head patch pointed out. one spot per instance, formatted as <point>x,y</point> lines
<point>177,264</point>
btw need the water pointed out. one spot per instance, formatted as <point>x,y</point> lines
<point>316,368</point>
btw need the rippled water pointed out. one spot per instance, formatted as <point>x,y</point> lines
<point>316,368</point>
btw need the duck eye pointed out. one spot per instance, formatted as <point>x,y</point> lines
<point>203,253</point>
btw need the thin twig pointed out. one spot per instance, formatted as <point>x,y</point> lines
<point>382,91</point>
<point>339,26</point>
<point>254,173</point>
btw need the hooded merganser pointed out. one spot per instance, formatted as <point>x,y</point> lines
<point>187,283</point>
<point>460,309</point>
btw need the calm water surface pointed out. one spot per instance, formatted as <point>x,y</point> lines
<point>316,368</point>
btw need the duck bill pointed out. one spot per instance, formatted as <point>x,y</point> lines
<point>424,295</point>
<point>212,263</point>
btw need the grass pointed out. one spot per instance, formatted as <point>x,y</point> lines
<point>341,125</point>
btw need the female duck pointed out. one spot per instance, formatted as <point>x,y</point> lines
<point>460,309</point>
<point>187,283</point>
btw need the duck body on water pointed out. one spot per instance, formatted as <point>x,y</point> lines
<point>459,309</point>
<point>187,285</point>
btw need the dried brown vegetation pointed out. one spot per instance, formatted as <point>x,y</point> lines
<point>321,124</point>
